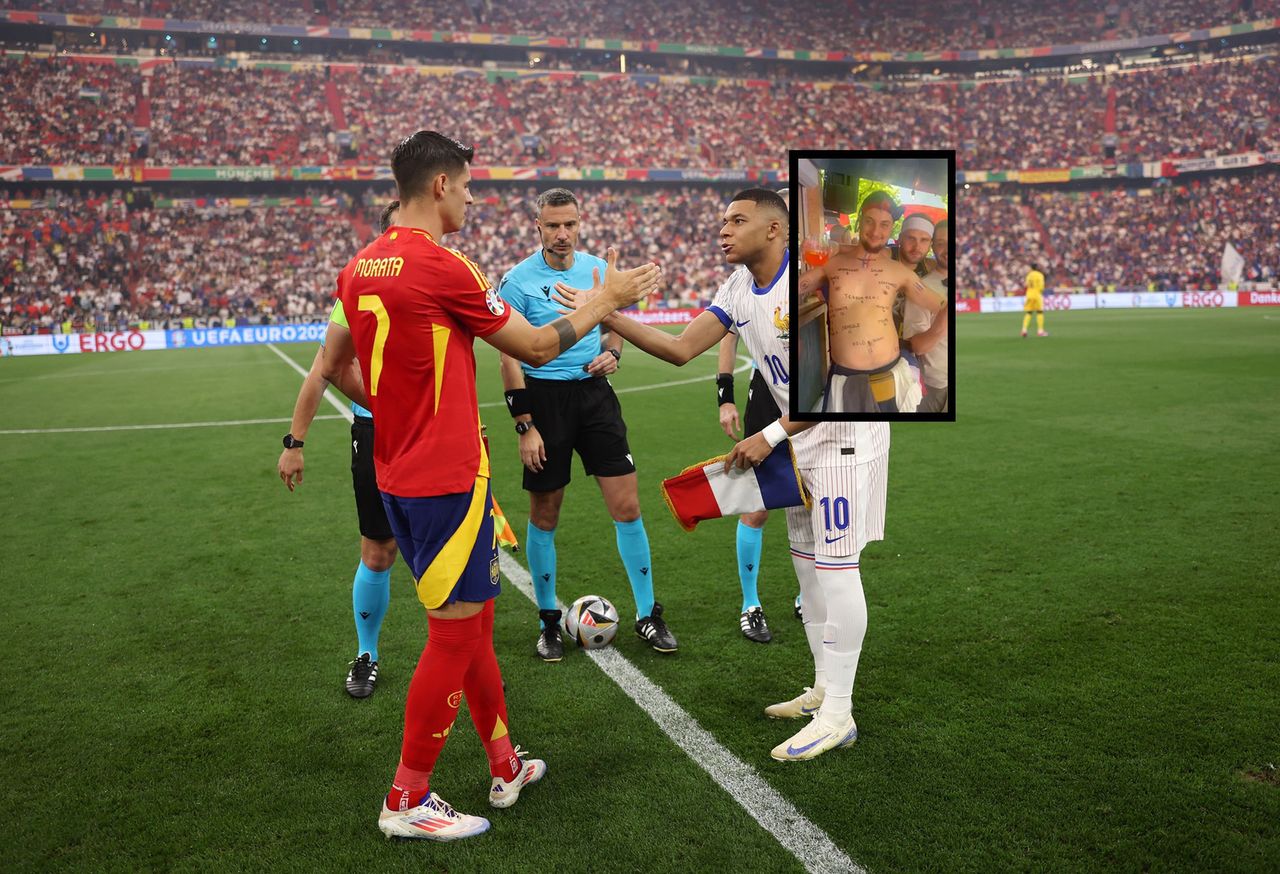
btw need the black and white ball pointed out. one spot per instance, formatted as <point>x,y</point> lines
<point>591,621</point>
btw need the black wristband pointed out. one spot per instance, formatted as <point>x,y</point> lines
<point>616,353</point>
<point>724,388</point>
<point>518,402</point>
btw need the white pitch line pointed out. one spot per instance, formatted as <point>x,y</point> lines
<point>775,814</point>
<point>342,408</point>
<point>165,426</point>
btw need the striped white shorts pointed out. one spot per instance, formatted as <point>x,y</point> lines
<point>848,508</point>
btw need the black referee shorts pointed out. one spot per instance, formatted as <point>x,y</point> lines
<point>582,415</point>
<point>369,508</point>
<point>761,407</point>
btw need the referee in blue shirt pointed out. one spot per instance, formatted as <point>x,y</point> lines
<point>568,405</point>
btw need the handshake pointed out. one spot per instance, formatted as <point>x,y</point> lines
<point>618,289</point>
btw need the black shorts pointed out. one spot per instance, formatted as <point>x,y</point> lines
<point>582,415</point>
<point>369,509</point>
<point>761,407</point>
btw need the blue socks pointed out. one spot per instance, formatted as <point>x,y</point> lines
<point>540,546</point>
<point>370,594</point>
<point>633,548</point>
<point>749,540</point>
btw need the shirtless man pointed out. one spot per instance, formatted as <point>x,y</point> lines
<point>862,282</point>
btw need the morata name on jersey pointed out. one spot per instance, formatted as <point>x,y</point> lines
<point>378,266</point>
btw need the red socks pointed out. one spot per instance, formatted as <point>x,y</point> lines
<point>488,703</point>
<point>458,659</point>
<point>435,693</point>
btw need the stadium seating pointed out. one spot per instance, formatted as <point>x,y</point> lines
<point>840,25</point>
<point>236,116</point>
<point>1169,237</point>
<point>87,258</point>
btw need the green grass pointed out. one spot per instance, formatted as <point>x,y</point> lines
<point>1072,659</point>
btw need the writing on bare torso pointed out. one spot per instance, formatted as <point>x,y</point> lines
<point>860,296</point>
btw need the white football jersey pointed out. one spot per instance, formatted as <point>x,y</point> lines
<point>762,318</point>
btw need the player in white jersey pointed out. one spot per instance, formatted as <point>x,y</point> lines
<point>844,464</point>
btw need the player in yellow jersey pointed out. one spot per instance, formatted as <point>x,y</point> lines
<point>1035,302</point>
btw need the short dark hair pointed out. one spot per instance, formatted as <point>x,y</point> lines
<point>765,198</point>
<point>384,221</point>
<point>556,197</point>
<point>421,157</point>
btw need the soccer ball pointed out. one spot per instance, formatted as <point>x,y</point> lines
<point>591,621</point>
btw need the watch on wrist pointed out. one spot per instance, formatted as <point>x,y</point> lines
<point>523,427</point>
<point>616,353</point>
<point>290,442</point>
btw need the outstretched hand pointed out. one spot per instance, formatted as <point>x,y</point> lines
<point>621,287</point>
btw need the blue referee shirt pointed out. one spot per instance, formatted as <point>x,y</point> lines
<point>528,288</point>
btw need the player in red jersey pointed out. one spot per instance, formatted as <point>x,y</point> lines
<point>408,310</point>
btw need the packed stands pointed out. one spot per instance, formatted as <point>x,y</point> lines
<point>73,113</point>
<point>833,25</point>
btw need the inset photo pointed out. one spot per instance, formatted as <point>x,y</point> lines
<point>871,244</point>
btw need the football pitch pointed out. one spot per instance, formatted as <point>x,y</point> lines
<point>1072,661</point>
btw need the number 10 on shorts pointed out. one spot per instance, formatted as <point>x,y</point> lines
<point>835,511</point>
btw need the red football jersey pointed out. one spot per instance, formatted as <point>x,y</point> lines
<point>414,308</point>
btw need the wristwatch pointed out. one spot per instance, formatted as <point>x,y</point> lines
<point>617,355</point>
<point>291,443</point>
<point>523,427</point>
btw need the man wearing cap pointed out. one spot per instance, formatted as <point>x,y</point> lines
<point>926,336</point>
<point>913,245</point>
<point>862,282</point>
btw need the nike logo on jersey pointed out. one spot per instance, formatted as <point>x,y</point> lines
<point>834,539</point>
<point>743,323</point>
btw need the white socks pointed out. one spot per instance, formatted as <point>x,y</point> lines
<point>846,626</point>
<point>814,607</point>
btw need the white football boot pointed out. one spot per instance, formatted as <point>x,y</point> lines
<point>504,794</point>
<point>803,705</point>
<point>433,820</point>
<point>815,739</point>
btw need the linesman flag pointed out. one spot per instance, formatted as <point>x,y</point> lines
<point>705,491</point>
<point>506,537</point>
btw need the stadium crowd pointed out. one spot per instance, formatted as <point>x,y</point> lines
<point>1168,114</point>
<point>833,25</point>
<point>1161,238</point>
<point>60,113</point>
<point>89,259</point>
<point>237,116</point>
